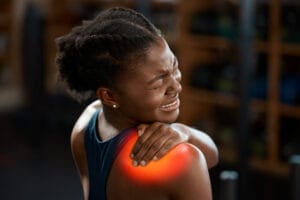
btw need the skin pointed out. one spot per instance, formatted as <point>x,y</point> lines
<point>147,97</point>
<point>155,172</point>
<point>172,177</point>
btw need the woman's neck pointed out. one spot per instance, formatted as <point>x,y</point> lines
<point>110,123</point>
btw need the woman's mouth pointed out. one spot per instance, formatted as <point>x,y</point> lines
<point>171,106</point>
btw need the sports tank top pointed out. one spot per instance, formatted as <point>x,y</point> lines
<point>100,157</point>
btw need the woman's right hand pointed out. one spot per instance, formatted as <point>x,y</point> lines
<point>154,141</point>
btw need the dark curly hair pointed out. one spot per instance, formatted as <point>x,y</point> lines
<point>93,54</point>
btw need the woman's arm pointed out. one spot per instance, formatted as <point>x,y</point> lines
<point>79,156</point>
<point>202,141</point>
<point>194,181</point>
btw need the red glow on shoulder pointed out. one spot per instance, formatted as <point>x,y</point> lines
<point>165,169</point>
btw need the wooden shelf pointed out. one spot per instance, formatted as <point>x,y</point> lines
<point>132,3</point>
<point>10,98</point>
<point>3,56</point>
<point>209,97</point>
<point>217,42</point>
<point>224,100</point>
<point>110,3</point>
<point>206,41</point>
<point>9,87</point>
<point>262,47</point>
<point>290,111</point>
<point>228,154</point>
<point>4,21</point>
<point>163,4</point>
<point>291,49</point>
<point>272,168</point>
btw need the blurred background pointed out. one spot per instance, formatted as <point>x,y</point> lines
<point>241,77</point>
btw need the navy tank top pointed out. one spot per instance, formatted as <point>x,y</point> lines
<point>100,157</point>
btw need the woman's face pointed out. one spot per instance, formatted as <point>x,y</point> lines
<point>150,91</point>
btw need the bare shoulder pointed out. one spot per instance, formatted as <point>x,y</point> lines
<point>82,121</point>
<point>193,182</point>
<point>78,146</point>
<point>180,174</point>
<point>86,116</point>
<point>77,135</point>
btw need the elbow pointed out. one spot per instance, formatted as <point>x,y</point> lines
<point>213,159</point>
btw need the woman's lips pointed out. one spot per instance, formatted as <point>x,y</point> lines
<point>171,106</point>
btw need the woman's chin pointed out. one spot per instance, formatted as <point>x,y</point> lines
<point>170,117</point>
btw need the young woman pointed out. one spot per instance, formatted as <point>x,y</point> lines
<point>126,145</point>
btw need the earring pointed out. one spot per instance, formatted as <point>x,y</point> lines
<point>114,106</point>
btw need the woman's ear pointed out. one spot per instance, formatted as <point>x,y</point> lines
<point>107,98</point>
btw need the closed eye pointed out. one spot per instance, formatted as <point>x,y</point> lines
<point>158,83</point>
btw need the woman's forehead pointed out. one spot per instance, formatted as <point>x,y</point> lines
<point>160,52</point>
<point>158,58</point>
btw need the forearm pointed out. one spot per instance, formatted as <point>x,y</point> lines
<point>201,141</point>
<point>85,188</point>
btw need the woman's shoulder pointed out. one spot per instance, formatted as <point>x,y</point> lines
<point>86,116</point>
<point>181,170</point>
<point>172,165</point>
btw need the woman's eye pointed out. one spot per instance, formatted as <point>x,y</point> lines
<point>156,87</point>
<point>158,84</point>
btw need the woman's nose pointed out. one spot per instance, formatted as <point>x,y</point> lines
<point>175,86</point>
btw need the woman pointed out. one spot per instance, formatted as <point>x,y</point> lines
<point>124,60</point>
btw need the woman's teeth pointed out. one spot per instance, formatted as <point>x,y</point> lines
<point>171,106</point>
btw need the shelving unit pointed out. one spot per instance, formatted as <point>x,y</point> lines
<point>5,29</point>
<point>200,104</point>
<point>9,71</point>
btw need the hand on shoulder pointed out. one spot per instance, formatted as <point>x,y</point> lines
<point>154,141</point>
<point>170,166</point>
<point>157,139</point>
<point>181,170</point>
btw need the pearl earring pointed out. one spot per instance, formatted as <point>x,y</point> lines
<point>114,106</point>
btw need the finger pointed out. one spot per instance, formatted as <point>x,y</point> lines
<point>141,128</point>
<point>139,145</point>
<point>149,131</point>
<point>172,138</point>
<point>153,145</point>
<point>165,148</point>
<point>163,140</point>
<point>144,141</point>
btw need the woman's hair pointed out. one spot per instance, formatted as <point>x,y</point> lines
<point>93,54</point>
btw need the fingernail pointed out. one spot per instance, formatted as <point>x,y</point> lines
<point>155,158</point>
<point>135,163</point>
<point>143,163</point>
<point>139,132</point>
